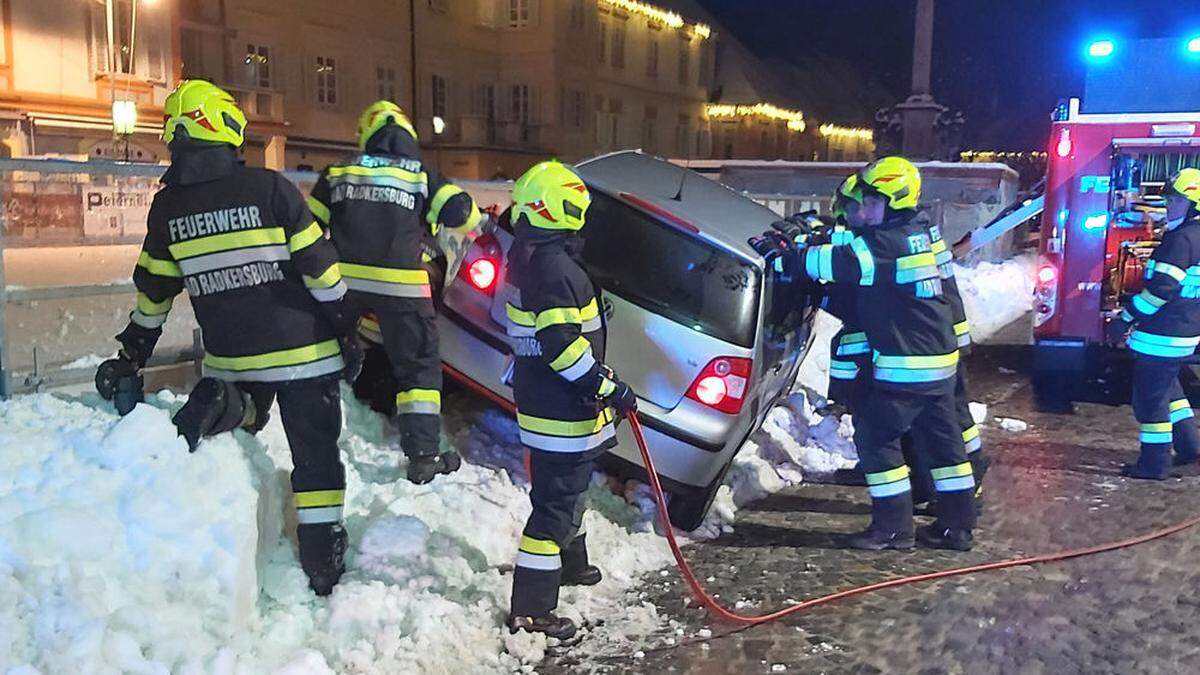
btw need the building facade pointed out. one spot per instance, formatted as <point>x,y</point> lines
<point>493,85</point>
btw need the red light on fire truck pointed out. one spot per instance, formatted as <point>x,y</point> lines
<point>1064,146</point>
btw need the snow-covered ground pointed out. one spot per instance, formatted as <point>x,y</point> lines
<point>122,553</point>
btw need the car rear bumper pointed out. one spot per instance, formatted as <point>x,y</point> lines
<point>683,457</point>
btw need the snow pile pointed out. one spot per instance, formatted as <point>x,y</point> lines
<point>120,552</point>
<point>794,440</point>
<point>996,294</point>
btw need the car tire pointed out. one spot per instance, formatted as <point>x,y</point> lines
<point>688,507</point>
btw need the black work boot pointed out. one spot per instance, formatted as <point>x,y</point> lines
<point>955,518</point>
<point>938,535</point>
<point>551,625</point>
<point>891,525</point>
<point>424,468</point>
<point>576,571</point>
<point>322,555</point>
<point>1153,464</point>
<point>214,406</point>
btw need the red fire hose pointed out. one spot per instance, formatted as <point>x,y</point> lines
<point>715,607</point>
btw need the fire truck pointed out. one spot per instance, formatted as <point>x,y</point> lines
<point>1109,155</point>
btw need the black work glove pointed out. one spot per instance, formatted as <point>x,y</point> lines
<point>352,355</point>
<point>772,244</point>
<point>796,228</point>
<point>119,380</point>
<point>613,392</point>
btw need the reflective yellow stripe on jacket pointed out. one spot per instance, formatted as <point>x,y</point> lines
<point>322,358</point>
<point>396,283</point>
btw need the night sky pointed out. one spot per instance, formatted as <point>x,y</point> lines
<point>1005,63</point>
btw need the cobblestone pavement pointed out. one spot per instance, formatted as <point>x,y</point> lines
<point>1051,487</point>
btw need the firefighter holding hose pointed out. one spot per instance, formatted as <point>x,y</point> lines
<point>567,399</point>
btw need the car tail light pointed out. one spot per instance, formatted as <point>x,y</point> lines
<point>481,267</point>
<point>1047,274</point>
<point>723,384</point>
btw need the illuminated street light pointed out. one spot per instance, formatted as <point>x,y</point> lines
<point>124,117</point>
<point>439,125</point>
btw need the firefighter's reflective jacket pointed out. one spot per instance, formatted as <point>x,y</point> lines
<point>850,345</point>
<point>900,301</point>
<point>945,263</point>
<point>1166,314</point>
<point>380,207</point>
<point>263,280</point>
<point>558,335</point>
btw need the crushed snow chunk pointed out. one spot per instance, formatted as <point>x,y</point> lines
<point>979,412</point>
<point>1012,424</point>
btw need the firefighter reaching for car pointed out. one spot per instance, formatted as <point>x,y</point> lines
<point>265,288</point>
<point>909,324</point>
<point>380,206</point>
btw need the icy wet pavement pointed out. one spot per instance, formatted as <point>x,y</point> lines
<point>1051,487</point>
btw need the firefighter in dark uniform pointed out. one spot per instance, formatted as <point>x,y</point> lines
<point>379,207</point>
<point>910,328</point>
<point>1165,318</point>
<point>962,332</point>
<point>850,353</point>
<point>567,399</point>
<point>266,290</point>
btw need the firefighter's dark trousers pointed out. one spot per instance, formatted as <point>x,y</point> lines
<point>1163,413</point>
<point>850,381</point>
<point>311,413</point>
<point>966,421</point>
<point>410,339</point>
<point>551,537</point>
<point>888,413</point>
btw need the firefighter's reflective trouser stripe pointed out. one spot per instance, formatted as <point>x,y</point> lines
<point>558,481</point>
<point>409,336</point>
<point>885,417</point>
<point>1165,418</point>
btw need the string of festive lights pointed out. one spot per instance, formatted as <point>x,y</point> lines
<point>985,155</point>
<point>835,131</point>
<point>794,118</point>
<point>663,16</point>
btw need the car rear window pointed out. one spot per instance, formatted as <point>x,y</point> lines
<point>670,272</point>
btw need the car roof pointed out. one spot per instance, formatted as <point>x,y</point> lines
<point>723,216</point>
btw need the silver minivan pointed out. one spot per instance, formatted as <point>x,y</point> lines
<point>706,335</point>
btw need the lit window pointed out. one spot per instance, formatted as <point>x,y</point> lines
<point>327,91</point>
<point>258,66</point>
